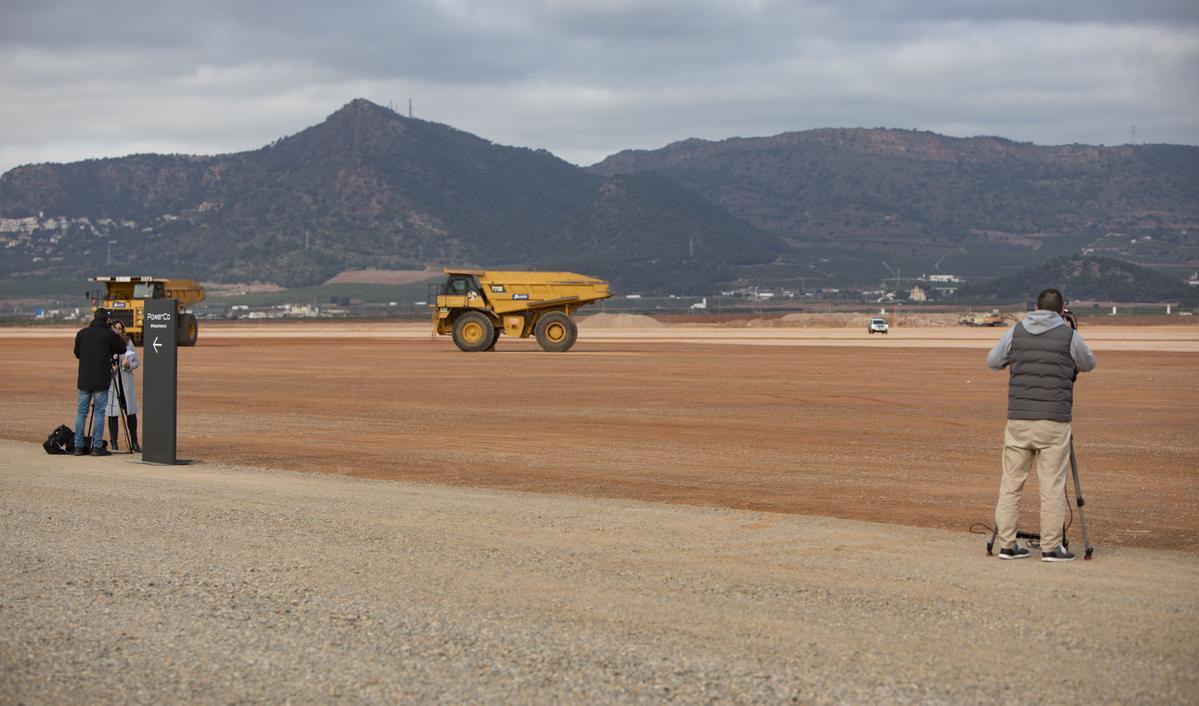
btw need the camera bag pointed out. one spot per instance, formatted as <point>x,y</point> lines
<point>60,441</point>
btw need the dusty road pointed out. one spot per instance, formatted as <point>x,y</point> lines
<point>128,583</point>
<point>889,430</point>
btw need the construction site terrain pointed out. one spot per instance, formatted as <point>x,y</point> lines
<point>902,429</point>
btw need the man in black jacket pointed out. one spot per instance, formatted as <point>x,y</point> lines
<point>95,347</point>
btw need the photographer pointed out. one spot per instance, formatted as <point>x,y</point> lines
<point>1045,354</point>
<point>95,346</point>
<point>126,364</point>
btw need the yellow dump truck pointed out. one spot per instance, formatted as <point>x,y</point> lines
<point>993,318</point>
<point>476,306</point>
<point>126,298</point>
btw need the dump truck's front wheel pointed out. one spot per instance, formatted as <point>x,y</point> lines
<point>556,332</point>
<point>473,332</point>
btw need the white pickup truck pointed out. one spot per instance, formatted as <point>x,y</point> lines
<point>877,325</point>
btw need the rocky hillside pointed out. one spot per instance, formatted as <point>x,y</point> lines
<point>365,188</point>
<point>926,201</point>
<point>1082,278</point>
<point>368,188</point>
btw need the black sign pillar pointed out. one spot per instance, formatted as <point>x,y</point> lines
<point>160,379</point>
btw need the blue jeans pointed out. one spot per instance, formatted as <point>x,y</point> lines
<point>98,413</point>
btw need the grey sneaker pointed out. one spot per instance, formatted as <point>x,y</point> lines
<point>1015,552</point>
<point>1059,554</point>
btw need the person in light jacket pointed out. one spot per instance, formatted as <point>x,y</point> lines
<point>126,364</point>
<point>1044,354</point>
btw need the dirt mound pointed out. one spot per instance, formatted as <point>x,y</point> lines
<point>844,320</point>
<point>619,321</point>
<point>214,288</point>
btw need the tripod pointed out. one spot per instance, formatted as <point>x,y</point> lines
<point>120,385</point>
<point>1088,550</point>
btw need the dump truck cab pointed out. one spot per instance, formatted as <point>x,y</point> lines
<point>477,306</point>
<point>460,291</point>
<point>125,298</point>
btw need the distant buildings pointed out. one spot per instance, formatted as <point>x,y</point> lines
<point>944,285</point>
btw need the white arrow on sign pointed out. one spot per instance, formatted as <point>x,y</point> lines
<point>157,345</point>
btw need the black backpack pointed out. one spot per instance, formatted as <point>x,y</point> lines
<point>60,441</point>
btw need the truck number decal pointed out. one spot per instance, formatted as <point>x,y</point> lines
<point>497,288</point>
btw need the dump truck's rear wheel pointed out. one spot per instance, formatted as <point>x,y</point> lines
<point>556,332</point>
<point>188,331</point>
<point>473,332</point>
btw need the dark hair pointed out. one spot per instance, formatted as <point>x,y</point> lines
<point>114,322</point>
<point>1051,300</point>
<point>102,314</point>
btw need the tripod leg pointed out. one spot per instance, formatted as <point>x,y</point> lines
<point>125,428</point>
<point>122,406</point>
<point>1088,550</point>
<point>1066,525</point>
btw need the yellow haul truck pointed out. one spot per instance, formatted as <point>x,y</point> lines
<point>126,298</point>
<point>994,318</point>
<point>475,306</point>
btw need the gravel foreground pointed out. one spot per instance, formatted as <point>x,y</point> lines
<point>131,583</point>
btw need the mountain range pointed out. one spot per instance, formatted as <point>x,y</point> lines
<point>371,188</point>
<point>976,206</point>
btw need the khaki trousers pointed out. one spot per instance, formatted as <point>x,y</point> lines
<point>1048,443</point>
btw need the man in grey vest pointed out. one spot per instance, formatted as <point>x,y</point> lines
<point>1045,354</point>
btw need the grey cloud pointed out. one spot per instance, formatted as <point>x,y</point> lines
<point>586,78</point>
<point>1060,11</point>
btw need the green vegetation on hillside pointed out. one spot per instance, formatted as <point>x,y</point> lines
<point>1078,277</point>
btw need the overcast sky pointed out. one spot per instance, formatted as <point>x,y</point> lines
<point>586,78</point>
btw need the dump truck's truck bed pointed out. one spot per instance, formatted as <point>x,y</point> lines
<point>476,306</point>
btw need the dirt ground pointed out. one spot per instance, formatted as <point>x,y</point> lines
<point>130,583</point>
<point>901,429</point>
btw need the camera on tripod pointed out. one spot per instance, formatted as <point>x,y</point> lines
<point>1070,317</point>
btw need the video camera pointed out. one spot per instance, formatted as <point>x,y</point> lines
<point>1069,316</point>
